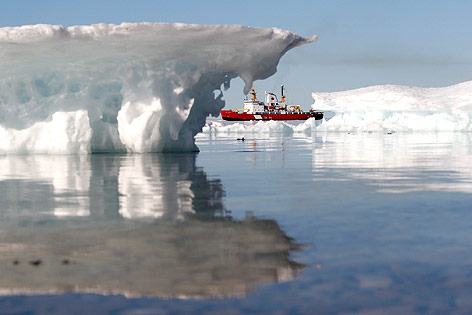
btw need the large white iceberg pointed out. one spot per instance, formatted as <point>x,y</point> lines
<point>136,87</point>
<point>388,108</point>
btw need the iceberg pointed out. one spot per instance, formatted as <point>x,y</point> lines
<point>387,108</point>
<point>133,87</point>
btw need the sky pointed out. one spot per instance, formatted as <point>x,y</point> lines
<point>361,42</point>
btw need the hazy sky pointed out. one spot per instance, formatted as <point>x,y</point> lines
<point>361,43</point>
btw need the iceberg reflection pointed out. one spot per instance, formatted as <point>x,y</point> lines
<point>138,225</point>
<point>397,163</point>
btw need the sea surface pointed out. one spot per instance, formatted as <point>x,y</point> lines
<point>327,223</point>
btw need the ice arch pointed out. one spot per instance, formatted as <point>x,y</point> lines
<point>136,87</point>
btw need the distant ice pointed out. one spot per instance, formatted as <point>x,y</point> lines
<point>218,126</point>
<point>383,108</point>
<point>386,108</point>
<point>135,87</point>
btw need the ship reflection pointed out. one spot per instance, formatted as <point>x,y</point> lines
<point>138,225</point>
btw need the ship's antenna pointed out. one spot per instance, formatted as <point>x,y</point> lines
<point>283,96</point>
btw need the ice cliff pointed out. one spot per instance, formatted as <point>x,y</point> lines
<point>133,87</point>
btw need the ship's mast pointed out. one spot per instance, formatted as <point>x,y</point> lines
<point>283,96</point>
<point>253,93</point>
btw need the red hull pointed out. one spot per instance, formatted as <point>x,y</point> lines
<point>230,115</point>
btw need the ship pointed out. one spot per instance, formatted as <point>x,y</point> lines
<point>271,109</point>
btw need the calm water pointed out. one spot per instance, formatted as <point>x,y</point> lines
<point>329,223</point>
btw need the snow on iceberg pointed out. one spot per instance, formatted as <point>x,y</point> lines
<point>388,108</point>
<point>136,87</point>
